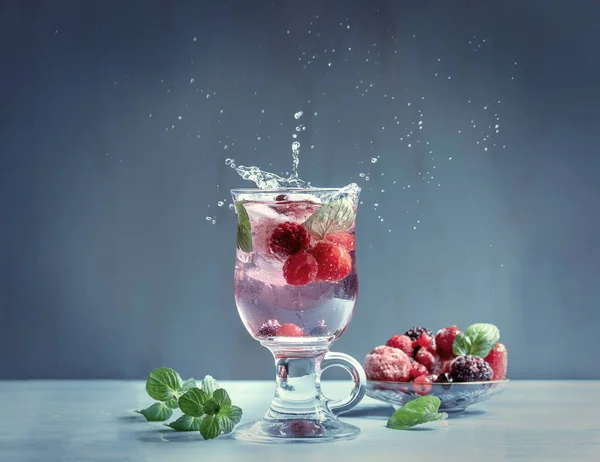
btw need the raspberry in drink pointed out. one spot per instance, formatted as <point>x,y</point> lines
<point>296,263</point>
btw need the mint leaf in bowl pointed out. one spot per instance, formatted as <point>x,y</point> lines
<point>478,340</point>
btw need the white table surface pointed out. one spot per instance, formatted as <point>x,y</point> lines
<point>94,421</point>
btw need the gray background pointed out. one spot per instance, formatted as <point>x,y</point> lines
<point>112,157</point>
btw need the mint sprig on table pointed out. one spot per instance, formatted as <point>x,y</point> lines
<point>416,412</point>
<point>478,340</point>
<point>334,217</point>
<point>207,408</point>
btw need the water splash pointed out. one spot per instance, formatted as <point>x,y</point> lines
<point>267,180</point>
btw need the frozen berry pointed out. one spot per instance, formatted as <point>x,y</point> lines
<point>426,358</point>
<point>261,236</point>
<point>388,364</point>
<point>417,370</point>
<point>422,385</point>
<point>470,369</point>
<point>290,330</point>
<point>402,342</point>
<point>320,331</point>
<point>289,238</point>
<point>269,328</point>
<point>281,197</point>
<point>442,365</point>
<point>415,332</point>
<point>346,240</point>
<point>424,341</point>
<point>333,260</point>
<point>444,340</point>
<point>445,380</point>
<point>498,361</point>
<point>300,269</point>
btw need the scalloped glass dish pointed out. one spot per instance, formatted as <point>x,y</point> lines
<point>454,397</point>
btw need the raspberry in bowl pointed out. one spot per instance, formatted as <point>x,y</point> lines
<point>460,368</point>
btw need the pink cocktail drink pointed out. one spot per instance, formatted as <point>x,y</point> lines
<point>297,281</point>
<point>295,289</point>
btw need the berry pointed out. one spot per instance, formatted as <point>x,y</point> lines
<point>288,239</point>
<point>346,240</point>
<point>320,331</point>
<point>426,358</point>
<point>444,340</point>
<point>442,365</point>
<point>422,385</point>
<point>424,341</point>
<point>418,370</point>
<point>402,342</point>
<point>281,197</point>
<point>269,328</point>
<point>416,332</point>
<point>498,361</point>
<point>333,260</point>
<point>470,369</point>
<point>388,364</point>
<point>261,236</point>
<point>300,269</point>
<point>445,380</point>
<point>290,330</point>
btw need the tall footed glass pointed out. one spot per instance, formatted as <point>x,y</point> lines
<point>296,288</point>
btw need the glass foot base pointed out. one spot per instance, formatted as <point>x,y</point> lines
<point>295,430</point>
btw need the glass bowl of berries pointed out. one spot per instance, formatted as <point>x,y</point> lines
<point>460,368</point>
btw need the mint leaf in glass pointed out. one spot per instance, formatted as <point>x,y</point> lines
<point>244,231</point>
<point>482,337</point>
<point>192,402</point>
<point>211,407</point>
<point>209,385</point>
<point>185,423</point>
<point>334,217</point>
<point>416,412</point>
<point>156,413</point>
<point>209,427</point>
<point>163,383</point>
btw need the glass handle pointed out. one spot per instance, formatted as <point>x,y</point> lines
<point>358,377</point>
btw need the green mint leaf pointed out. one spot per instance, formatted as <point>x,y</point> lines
<point>461,345</point>
<point>209,427</point>
<point>225,423</point>
<point>211,407</point>
<point>244,231</point>
<point>209,385</point>
<point>222,398</point>
<point>229,417</point>
<point>482,337</point>
<point>163,383</point>
<point>334,217</point>
<point>172,403</point>
<point>192,402</point>
<point>416,412</point>
<point>185,423</point>
<point>186,386</point>
<point>234,413</point>
<point>156,413</point>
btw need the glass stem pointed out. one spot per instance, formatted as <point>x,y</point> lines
<point>298,388</point>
